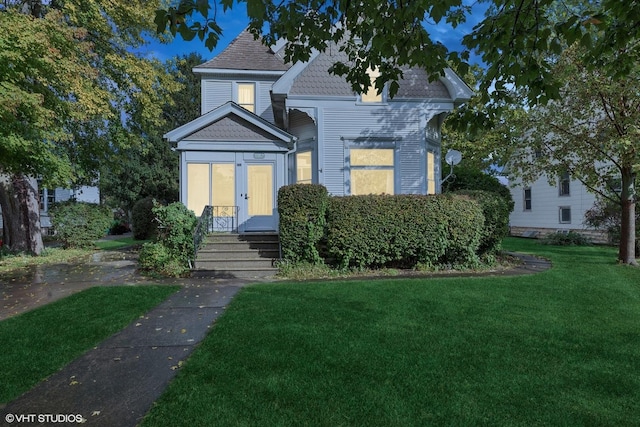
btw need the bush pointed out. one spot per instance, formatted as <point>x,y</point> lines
<point>169,255</point>
<point>176,224</point>
<point>571,238</point>
<point>80,224</point>
<point>496,219</point>
<point>403,230</point>
<point>473,179</point>
<point>302,209</point>
<point>143,219</point>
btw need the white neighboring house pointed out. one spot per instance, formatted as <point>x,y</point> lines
<point>89,194</point>
<point>541,208</point>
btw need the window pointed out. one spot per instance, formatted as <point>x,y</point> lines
<point>303,168</point>
<point>431,173</point>
<point>527,199</point>
<point>372,95</point>
<point>372,171</point>
<point>247,96</point>
<point>564,186</point>
<point>210,184</point>
<point>565,215</point>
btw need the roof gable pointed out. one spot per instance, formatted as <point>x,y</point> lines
<point>229,122</point>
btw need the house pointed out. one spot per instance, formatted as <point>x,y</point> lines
<point>542,208</point>
<point>267,123</point>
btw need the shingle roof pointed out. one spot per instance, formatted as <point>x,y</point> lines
<point>246,53</point>
<point>231,128</point>
<point>315,79</point>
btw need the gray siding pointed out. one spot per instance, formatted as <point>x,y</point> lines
<point>264,101</point>
<point>365,125</point>
<point>215,93</point>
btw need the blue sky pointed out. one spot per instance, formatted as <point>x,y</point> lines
<point>235,20</point>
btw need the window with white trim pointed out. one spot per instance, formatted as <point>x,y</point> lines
<point>527,199</point>
<point>565,184</point>
<point>247,96</point>
<point>372,95</point>
<point>565,214</point>
<point>372,171</point>
<point>431,172</point>
<point>303,167</point>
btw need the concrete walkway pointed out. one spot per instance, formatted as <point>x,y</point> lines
<point>116,383</point>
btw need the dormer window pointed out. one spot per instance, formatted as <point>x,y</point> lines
<point>247,96</point>
<point>372,95</point>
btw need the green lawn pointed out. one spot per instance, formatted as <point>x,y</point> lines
<point>556,348</point>
<point>40,342</point>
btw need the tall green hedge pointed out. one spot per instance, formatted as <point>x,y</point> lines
<point>302,210</point>
<point>496,212</point>
<point>403,230</point>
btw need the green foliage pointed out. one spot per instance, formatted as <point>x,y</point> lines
<point>302,210</point>
<point>474,179</point>
<point>79,224</point>
<point>572,238</point>
<point>496,218</point>
<point>169,255</point>
<point>176,224</point>
<point>403,230</point>
<point>143,219</point>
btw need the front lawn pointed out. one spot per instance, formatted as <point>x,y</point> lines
<point>40,342</point>
<point>556,348</point>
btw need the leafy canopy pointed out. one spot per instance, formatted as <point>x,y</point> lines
<point>518,41</point>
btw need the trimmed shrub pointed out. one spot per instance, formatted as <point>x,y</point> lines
<point>143,219</point>
<point>403,230</point>
<point>80,224</point>
<point>176,224</point>
<point>572,238</point>
<point>473,179</point>
<point>170,253</point>
<point>302,209</point>
<point>496,219</point>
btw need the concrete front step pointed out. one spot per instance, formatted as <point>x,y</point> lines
<point>213,254</point>
<point>247,273</point>
<point>241,256</point>
<point>215,264</point>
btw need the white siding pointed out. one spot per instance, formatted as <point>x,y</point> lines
<point>545,205</point>
<point>218,91</point>
<point>263,100</point>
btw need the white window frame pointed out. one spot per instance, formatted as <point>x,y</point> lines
<point>524,199</point>
<point>236,95</point>
<point>560,210</point>
<point>565,179</point>
<point>386,145</point>
<point>375,98</point>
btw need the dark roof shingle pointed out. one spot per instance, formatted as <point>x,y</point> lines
<point>246,53</point>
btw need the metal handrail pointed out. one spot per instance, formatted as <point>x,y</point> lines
<point>214,219</point>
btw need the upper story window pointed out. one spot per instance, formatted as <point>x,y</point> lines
<point>372,95</point>
<point>527,199</point>
<point>247,96</point>
<point>565,185</point>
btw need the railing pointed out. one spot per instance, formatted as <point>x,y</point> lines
<point>215,219</point>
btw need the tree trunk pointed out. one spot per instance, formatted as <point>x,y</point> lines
<point>20,214</point>
<point>627,249</point>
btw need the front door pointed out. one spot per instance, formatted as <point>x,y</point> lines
<point>258,192</point>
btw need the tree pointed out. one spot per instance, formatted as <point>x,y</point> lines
<point>66,71</point>
<point>518,41</point>
<point>149,168</point>
<point>590,132</point>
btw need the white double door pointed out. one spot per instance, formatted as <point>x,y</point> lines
<point>251,186</point>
